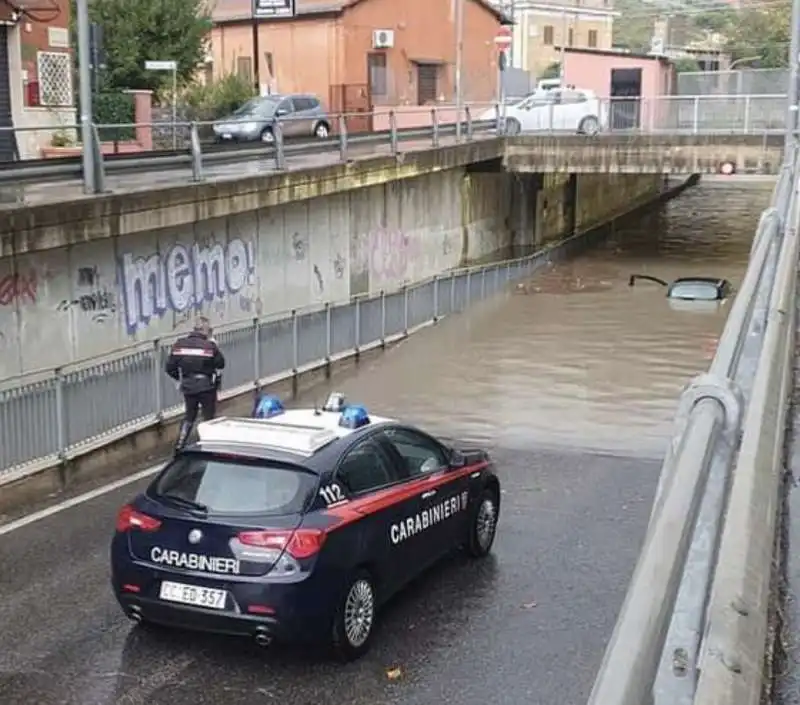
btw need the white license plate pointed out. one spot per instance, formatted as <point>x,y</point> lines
<point>226,136</point>
<point>193,595</point>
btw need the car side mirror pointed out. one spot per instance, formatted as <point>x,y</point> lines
<point>457,459</point>
<point>281,112</point>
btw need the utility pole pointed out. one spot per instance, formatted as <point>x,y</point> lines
<point>85,96</point>
<point>794,57</point>
<point>563,46</point>
<point>459,18</point>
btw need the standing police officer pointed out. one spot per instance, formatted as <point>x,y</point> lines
<point>195,361</point>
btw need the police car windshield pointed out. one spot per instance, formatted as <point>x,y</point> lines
<point>228,485</point>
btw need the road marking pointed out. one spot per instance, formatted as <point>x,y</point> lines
<point>75,501</point>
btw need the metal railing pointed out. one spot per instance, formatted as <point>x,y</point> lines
<point>50,416</point>
<point>692,628</point>
<point>197,146</point>
<point>194,148</point>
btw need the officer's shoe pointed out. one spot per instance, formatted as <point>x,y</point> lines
<point>183,436</point>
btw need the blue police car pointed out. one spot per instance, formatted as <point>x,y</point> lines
<point>298,524</point>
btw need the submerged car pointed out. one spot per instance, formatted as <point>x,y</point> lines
<point>298,524</point>
<point>690,288</point>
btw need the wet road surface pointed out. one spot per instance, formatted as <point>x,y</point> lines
<point>572,382</point>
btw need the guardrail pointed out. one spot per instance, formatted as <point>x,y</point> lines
<point>56,415</point>
<point>347,133</point>
<point>196,159</point>
<point>693,626</point>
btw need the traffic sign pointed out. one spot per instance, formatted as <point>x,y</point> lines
<point>503,38</point>
<point>160,65</point>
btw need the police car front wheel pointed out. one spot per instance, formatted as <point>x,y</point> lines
<point>483,526</point>
<point>355,618</point>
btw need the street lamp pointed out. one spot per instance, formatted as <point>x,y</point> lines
<point>85,97</point>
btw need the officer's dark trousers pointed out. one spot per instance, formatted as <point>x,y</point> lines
<point>205,402</point>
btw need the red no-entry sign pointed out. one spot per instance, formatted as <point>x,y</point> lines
<point>503,38</point>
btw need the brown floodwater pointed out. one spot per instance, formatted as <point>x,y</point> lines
<point>575,356</point>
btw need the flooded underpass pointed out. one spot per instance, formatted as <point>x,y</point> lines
<point>571,379</point>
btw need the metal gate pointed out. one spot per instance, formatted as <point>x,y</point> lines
<point>353,101</point>
<point>8,142</point>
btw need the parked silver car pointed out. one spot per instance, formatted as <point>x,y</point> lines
<point>299,115</point>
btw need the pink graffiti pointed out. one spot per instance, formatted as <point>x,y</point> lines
<point>20,288</point>
<point>391,253</point>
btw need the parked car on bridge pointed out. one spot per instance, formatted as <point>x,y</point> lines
<point>298,524</point>
<point>300,115</point>
<point>562,109</point>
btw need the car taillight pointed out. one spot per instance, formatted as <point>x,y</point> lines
<point>299,544</point>
<point>129,519</point>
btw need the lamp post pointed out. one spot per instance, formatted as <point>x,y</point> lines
<point>459,19</point>
<point>794,57</point>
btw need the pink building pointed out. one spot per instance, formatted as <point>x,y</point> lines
<point>635,86</point>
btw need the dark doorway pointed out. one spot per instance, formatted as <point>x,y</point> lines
<point>8,141</point>
<point>378,78</point>
<point>626,98</point>
<point>427,83</point>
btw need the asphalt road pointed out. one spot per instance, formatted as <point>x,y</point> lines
<point>527,626</point>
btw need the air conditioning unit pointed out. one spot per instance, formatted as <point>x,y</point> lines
<point>383,39</point>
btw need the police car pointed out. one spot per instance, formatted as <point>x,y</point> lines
<point>297,525</point>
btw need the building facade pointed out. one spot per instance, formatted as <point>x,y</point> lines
<point>36,88</point>
<point>542,28</point>
<point>357,54</point>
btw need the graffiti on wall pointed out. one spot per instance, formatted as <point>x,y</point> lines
<point>18,289</point>
<point>391,252</point>
<point>92,298</point>
<point>183,279</point>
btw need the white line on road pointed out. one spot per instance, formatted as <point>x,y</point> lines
<point>80,499</point>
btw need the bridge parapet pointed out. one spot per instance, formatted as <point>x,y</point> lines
<point>637,153</point>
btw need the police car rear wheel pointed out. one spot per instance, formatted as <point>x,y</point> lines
<point>355,618</point>
<point>484,525</point>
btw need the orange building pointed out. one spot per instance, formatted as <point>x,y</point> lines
<point>36,86</point>
<point>357,54</point>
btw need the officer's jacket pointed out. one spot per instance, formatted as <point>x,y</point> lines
<point>195,360</point>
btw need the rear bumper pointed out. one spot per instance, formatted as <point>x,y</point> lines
<point>291,612</point>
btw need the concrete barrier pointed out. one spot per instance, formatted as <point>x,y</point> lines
<point>736,649</point>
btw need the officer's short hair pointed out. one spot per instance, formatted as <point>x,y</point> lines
<point>203,325</point>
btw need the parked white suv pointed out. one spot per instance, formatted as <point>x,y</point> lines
<point>561,109</point>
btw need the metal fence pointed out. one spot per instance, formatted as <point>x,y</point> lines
<point>737,82</point>
<point>54,415</point>
<point>693,627</point>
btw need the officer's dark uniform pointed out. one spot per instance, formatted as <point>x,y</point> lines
<point>195,360</point>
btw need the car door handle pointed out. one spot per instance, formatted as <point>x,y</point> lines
<point>475,474</point>
<point>428,494</point>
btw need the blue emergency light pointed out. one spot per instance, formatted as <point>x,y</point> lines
<point>354,416</point>
<point>267,406</point>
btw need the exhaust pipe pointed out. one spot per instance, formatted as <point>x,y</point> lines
<point>262,638</point>
<point>135,614</point>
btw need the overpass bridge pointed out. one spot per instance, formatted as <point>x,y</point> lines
<point>86,420</point>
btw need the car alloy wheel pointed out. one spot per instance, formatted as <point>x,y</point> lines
<point>359,613</point>
<point>590,126</point>
<point>267,136</point>
<point>354,621</point>
<point>483,526</point>
<point>321,131</point>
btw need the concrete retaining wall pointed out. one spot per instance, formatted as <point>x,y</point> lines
<point>86,299</point>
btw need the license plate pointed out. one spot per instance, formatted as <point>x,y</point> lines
<point>193,595</point>
<point>227,136</point>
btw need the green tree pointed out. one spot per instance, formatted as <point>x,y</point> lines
<point>761,31</point>
<point>551,71</point>
<point>154,30</point>
<point>633,30</point>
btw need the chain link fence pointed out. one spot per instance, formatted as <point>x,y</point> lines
<point>55,414</point>
<point>737,82</point>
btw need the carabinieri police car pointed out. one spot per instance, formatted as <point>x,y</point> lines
<point>297,525</point>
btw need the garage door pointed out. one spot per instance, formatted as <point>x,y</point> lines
<point>7,140</point>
